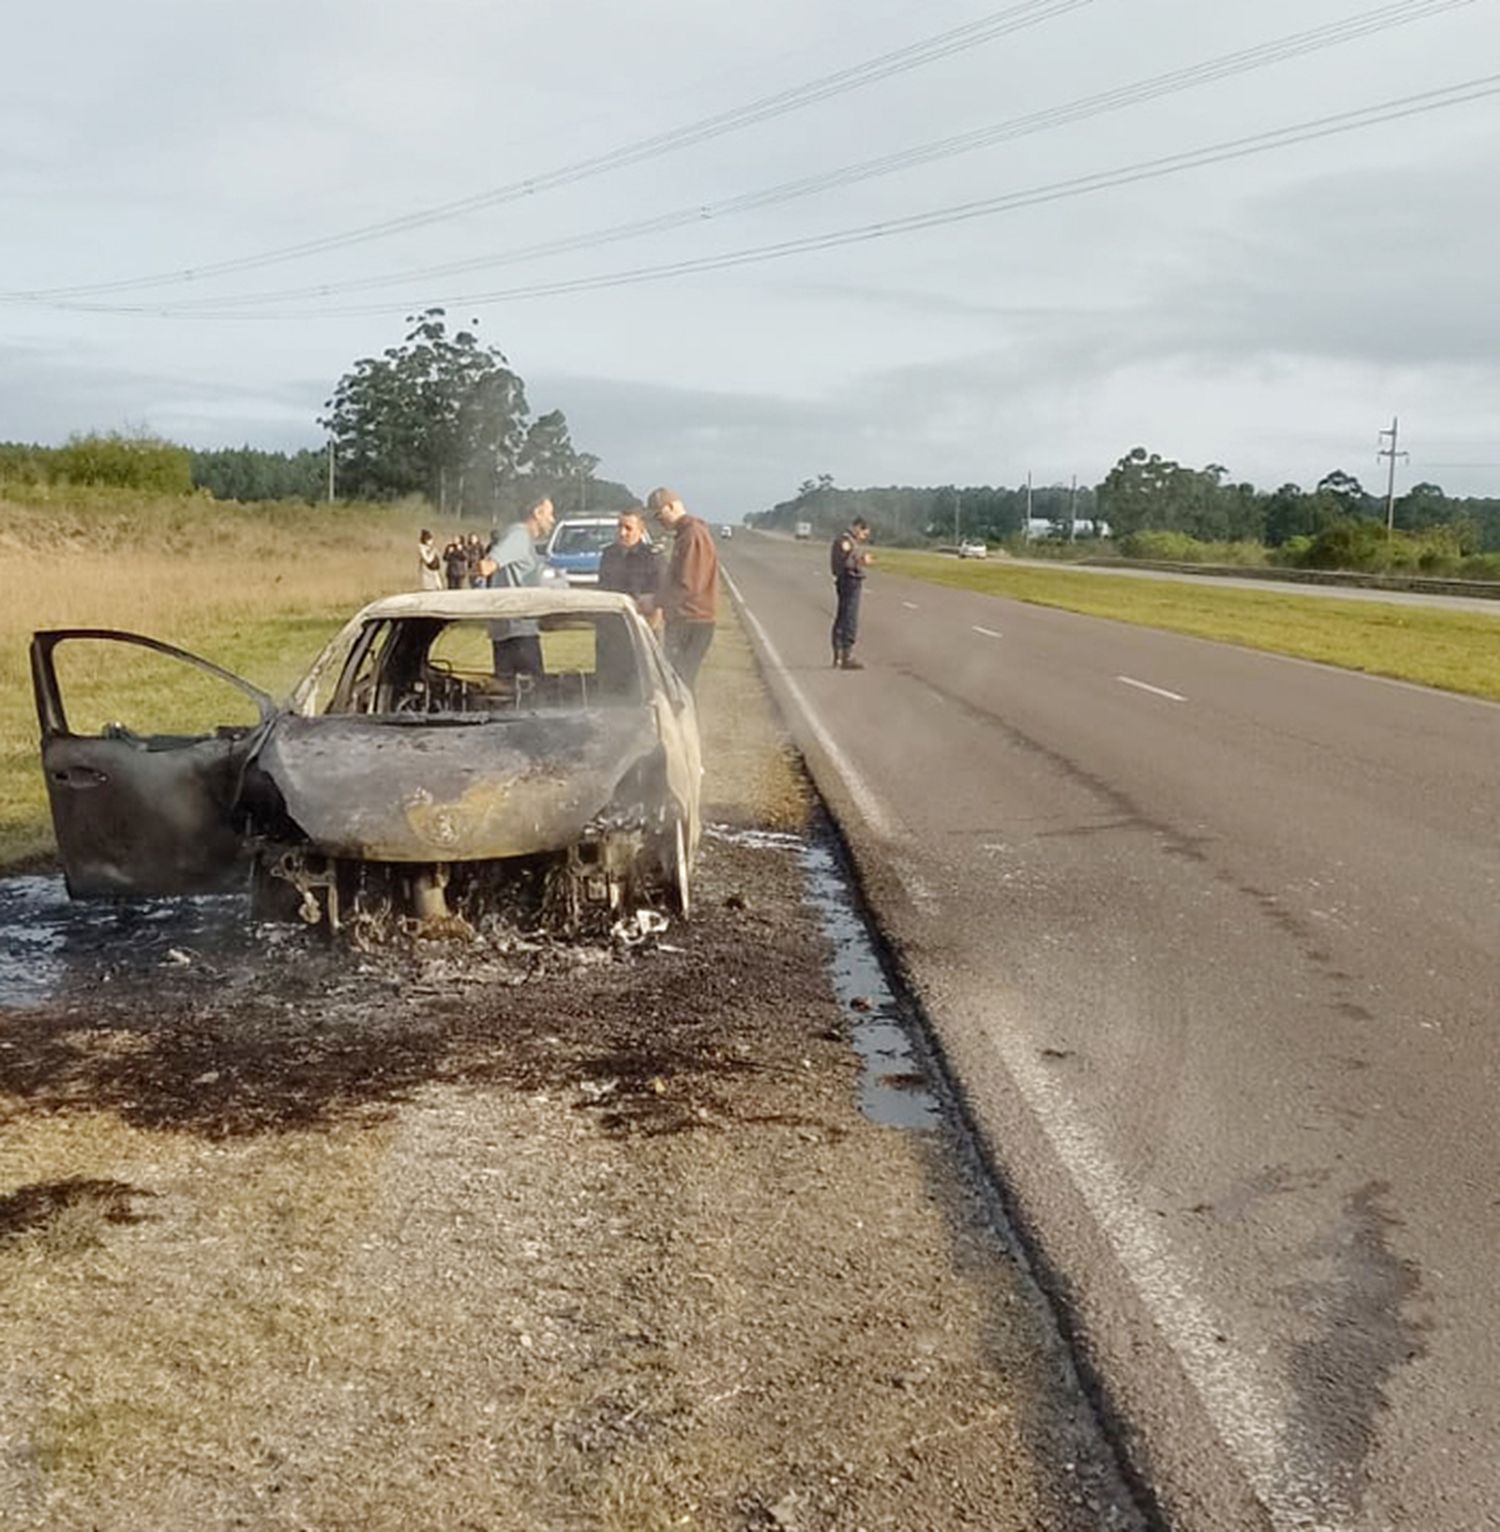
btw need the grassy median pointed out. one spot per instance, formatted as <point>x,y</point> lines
<point>1457,651</point>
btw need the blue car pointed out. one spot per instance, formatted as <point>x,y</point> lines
<point>577,545</point>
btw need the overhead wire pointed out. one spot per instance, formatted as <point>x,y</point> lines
<point>995,24</point>
<point>1396,13</point>
<point>1479,88</point>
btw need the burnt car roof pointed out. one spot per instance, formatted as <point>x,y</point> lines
<point>456,604</point>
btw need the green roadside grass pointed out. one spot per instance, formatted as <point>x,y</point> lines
<point>1456,651</point>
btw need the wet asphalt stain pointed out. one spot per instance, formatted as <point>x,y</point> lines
<point>893,1088</point>
<point>1244,1197</point>
<point>1363,1335</point>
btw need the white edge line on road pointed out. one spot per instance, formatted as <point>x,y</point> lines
<point>1240,1390</point>
<point>869,806</point>
<point>988,632</point>
<point>1156,691</point>
<point>911,606</point>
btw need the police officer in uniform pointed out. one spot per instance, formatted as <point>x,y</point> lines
<point>847,559</point>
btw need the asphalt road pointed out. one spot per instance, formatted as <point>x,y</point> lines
<point>1210,940</point>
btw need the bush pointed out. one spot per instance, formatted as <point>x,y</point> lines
<point>23,464</point>
<point>1175,547</point>
<point>1179,548</point>
<point>125,462</point>
<point>1352,543</point>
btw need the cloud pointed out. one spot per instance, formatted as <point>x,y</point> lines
<point>46,395</point>
<point>1394,268</point>
<point>1266,314</point>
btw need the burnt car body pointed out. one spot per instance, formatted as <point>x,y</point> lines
<point>403,775</point>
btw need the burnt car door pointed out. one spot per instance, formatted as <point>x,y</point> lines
<point>143,814</point>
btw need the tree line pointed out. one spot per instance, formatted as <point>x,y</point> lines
<point>1146,492</point>
<point>1155,507</point>
<point>440,416</point>
<point>912,515</point>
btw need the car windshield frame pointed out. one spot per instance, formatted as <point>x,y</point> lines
<point>442,693</point>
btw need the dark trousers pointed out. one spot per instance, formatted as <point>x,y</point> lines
<point>517,656</point>
<point>686,643</point>
<point>846,619</point>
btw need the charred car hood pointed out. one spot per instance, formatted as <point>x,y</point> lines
<point>419,790</point>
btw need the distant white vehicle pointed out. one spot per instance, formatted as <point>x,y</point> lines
<point>971,548</point>
<point>726,531</point>
<point>804,530</point>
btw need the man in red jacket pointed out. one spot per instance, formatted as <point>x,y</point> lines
<point>690,588</point>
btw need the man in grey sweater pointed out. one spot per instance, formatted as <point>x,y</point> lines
<point>512,561</point>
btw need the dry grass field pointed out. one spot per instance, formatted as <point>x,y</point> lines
<point>257,589</point>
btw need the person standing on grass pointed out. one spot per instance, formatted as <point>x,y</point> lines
<point>512,562</point>
<point>429,565</point>
<point>456,564</point>
<point>690,587</point>
<point>847,559</point>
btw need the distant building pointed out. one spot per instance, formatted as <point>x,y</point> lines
<point>1044,526</point>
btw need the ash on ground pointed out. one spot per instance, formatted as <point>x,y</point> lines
<point>509,1233</point>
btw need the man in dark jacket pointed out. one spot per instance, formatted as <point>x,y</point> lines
<point>846,560</point>
<point>630,565</point>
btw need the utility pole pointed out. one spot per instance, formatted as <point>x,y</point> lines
<point>958,500</point>
<point>1028,505</point>
<point>1073,510</point>
<point>1390,485</point>
<point>330,470</point>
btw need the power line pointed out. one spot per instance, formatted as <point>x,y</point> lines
<point>1246,60</point>
<point>1002,23</point>
<point>1340,123</point>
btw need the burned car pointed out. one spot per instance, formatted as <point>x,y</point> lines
<point>407,775</point>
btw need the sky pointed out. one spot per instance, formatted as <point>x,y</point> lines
<point>1271,312</point>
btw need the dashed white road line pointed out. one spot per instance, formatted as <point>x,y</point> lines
<point>911,606</point>
<point>988,632</point>
<point>1156,691</point>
